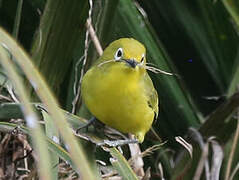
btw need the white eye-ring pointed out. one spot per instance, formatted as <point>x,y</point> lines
<point>142,59</point>
<point>119,54</point>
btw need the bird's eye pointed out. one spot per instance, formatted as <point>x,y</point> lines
<point>119,54</point>
<point>142,59</point>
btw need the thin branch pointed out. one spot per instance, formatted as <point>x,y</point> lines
<point>77,95</point>
<point>90,31</point>
<point>94,37</point>
<point>185,144</point>
<point>137,161</point>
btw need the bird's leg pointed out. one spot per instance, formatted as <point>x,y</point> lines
<point>91,121</point>
<point>110,133</point>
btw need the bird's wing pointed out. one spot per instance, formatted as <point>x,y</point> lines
<point>151,94</point>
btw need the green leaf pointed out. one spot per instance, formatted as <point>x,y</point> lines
<point>17,19</point>
<point>52,133</point>
<point>10,111</point>
<point>53,48</point>
<point>121,165</point>
<point>220,120</point>
<point>232,7</point>
<point>234,85</point>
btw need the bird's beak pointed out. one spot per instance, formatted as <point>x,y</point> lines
<point>131,62</point>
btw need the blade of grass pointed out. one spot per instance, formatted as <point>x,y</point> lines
<point>233,149</point>
<point>30,116</point>
<point>61,25</point>
<point>121,165</point>
<point>235,79</point>
<point>233,8</point>
<point>52,133</point>
<point>17,19</point>
<point>47,98</point>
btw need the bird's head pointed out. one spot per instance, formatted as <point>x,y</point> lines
<point>126,51</point>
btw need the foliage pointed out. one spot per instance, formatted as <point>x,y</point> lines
<point>197,41</point>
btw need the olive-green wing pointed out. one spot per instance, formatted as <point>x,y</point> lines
<point>151,94</point>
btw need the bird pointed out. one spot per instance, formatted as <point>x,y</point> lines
<point>118,91</point>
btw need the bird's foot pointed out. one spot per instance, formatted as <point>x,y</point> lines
<point>90,122</point>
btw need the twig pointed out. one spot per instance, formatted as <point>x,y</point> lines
<point>110,174</point>
<point>160,167</point>
<point>201,163</point>
<point>106,142</point>
<point>23,157</point>
<point>198,138</point>
<point>90,31</point>
<point>5,98</point>
<point>17,20</point>
<point>21,137</point>
<point>117,142</point>
<point>148,151</point>
<point>12,94</point>
<point>77,96</point>
<point>185,144</point>
<point>137,163</point>
<point>94,37</point>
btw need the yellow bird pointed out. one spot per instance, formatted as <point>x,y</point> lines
<point>118,90</point>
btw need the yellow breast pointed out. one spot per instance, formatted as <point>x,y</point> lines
<point>116,97</point>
